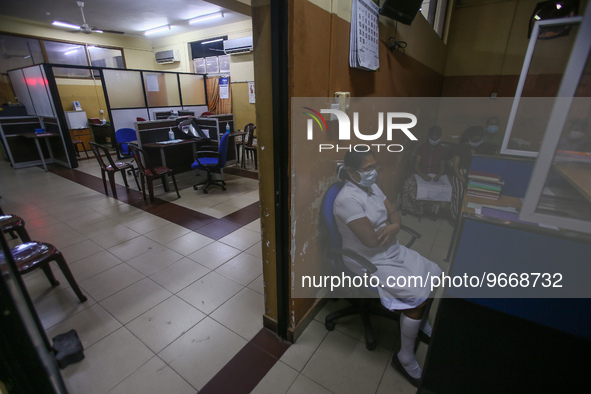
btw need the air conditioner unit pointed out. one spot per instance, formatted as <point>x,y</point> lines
<point>169,56</point>
<point>238,45</point>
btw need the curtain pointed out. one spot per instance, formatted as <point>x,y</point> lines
<point>214,103</point>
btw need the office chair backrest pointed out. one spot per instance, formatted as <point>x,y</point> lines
<point>330,223</point>
<point>223,149</point>
<point>125,135</point>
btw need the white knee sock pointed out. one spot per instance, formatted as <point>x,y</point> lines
<point>409,329</point>
<point>425,326</point>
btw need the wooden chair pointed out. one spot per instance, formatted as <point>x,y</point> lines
<point>248,149</point>
<point>32,255</point>
<point>149,172</point>
<point>111,168</point>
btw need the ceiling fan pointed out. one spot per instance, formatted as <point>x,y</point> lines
<point>84,28</point>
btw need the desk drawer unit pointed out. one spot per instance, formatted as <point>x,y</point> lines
<point>83,135</point>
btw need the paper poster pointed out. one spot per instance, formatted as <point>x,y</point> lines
<point>152,83</point>
<point>212,65</point>
<point>251,98</point>
<point>224,62</point>
<point>199,65</point>
<point>364,39</point>
<point>224,88</point>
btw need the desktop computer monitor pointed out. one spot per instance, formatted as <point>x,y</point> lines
<point>162,115</point>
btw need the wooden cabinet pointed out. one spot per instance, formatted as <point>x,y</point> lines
<point>83,135</point>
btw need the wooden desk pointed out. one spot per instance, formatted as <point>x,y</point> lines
<point>104,134</point>
<point>164,147</point>
<point>578,175</point>
<point>36,137</point>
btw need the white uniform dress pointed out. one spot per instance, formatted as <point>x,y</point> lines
<point>395,260</point>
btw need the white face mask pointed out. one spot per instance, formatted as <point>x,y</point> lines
<point>475,144</point>
<point>492,129</point>
<point>368,178</point>
<point>434,142</point>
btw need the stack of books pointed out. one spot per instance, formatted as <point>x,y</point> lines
<point>484,185</point>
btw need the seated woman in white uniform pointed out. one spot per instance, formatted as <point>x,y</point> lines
<point>368,224</point>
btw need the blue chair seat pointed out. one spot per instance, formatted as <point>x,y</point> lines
<point>212,161</point>
<point>204,161</point>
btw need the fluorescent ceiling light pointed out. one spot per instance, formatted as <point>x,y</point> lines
<point>157,30</point>
<point>558,6</point>
<point>206,17</point>
<point>68,25</point>
<point>71,52</point>
<point>209,42</point>
<point>97,31</point>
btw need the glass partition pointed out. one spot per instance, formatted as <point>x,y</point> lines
<point>162,89</point>
<point>543,68</point>
<point>559,192</point>
<point>105,57</point>
<point>124,88</point>
<point>192,89</point>
<point>65,53</point>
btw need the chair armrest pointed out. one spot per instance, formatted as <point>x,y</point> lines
<point>207,153</point>
<point>415,235</point>
<point>365,263</point>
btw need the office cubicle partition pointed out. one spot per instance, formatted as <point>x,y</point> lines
<point>124,95</point>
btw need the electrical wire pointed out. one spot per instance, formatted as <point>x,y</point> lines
<point>396,45</point>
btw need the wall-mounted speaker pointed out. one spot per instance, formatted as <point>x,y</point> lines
<point>403,11</point>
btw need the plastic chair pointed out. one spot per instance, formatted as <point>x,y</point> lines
<point>148,172</point>
<point>211,161</point>
<point>32,255</point>
<point>123,137</point>
<point>206,113</point>
<point>368,303</point>
<point>12,225</point>
<point>111,168</point>
<point>138,119</point>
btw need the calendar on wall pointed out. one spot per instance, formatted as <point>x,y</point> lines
<point>363,49</point>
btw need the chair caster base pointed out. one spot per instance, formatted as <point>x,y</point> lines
<point>371,346</point>
<point>329,325</point>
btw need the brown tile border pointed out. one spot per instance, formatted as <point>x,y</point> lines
<point>249,366</point>
<point>188,218</point>
<point>241,172</point>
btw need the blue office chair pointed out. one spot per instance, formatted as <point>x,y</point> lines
<point>124,136</point>
<point>367,303</point>
<point>210,161</point>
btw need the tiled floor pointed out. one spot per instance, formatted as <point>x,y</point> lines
<point>169,307</point>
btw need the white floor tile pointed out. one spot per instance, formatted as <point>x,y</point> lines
<point>133,248</point>
<point>258,285</point>
<point>91,324</point>
<point>110,281</point>
<point>243,268</point>
<point>78,251</point>
<point>242,313</point>
<point>278,380</point>
<point>92,265</point>
<point>299,353</point>
<point>214,254</point>
<point>209,292</point>
<point>107,363</point>
<point>58,307</point>
<point>201,352</point>
<point>304,385</point>
<point>163,324</point>
<point>342,364</point>
<point>134,300</point>
<point>153,377</point>
<point>241,239</point>
<point>167,233</point>
<point>189,243</point>
<point>179,275</point>
<point>154,260</point>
